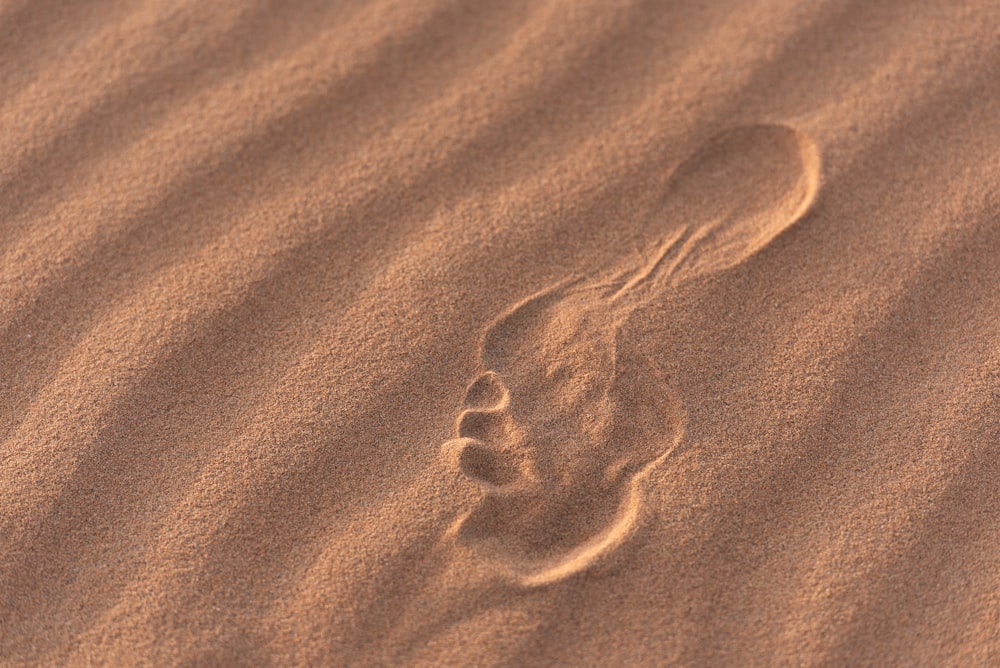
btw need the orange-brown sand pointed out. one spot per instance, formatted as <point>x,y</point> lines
<point>499,333</point>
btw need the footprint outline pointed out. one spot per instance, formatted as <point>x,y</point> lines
<point>505,455</point>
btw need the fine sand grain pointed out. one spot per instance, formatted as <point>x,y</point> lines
<point>499,333</point>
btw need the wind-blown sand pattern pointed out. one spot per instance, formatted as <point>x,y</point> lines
<point>515,333</point>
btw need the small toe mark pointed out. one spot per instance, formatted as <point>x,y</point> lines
<point>482,425</point>
<point>487,465</point>
<point>486,392</point>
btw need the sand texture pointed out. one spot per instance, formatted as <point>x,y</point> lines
<point>559,333</point>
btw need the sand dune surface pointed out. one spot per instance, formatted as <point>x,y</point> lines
<point>520,333</point>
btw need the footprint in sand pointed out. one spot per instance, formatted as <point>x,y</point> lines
<point>567,418</point>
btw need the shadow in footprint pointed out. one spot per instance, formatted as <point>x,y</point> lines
<point>567,418</point>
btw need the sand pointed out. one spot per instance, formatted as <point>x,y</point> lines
<point>519,333</point>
